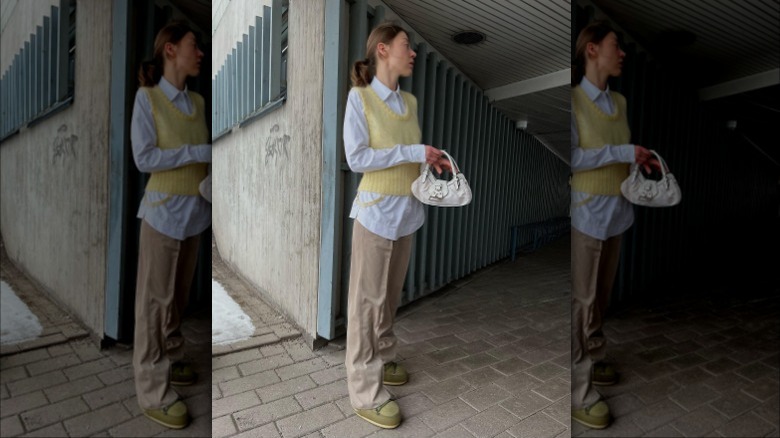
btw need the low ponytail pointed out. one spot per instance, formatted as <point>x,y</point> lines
<point>149,74</point>
<point>362,72</point>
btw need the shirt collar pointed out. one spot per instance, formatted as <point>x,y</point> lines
<point>169,90</point>
<point>591,90</point>
<point>382,90</point>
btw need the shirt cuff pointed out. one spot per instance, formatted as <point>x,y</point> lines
<point>626,153</point>
<point>418,153</point>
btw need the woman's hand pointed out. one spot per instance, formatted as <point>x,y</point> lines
<point>644,158</point>
<point>435,158</point>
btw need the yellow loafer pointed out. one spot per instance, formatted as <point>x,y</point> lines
<point>395,374</point>
<point>387,415</point>
<point>595,416</point>
<point>174,416</point>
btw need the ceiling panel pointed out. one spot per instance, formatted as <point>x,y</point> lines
<point>731,39</point>
<point>525,39</point>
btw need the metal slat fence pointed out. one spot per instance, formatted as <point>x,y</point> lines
<point>37,78</point>
<point>250,80</point>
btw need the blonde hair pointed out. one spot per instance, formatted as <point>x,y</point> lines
<point>364,70</point>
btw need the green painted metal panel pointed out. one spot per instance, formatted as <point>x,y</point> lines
<point>329,286</point>
<point>435,215</point>
<point>53,50</point>
<point>258,73</point>
<point>62,49</point>
<point>275,48</point>
<point>16,108</point>
<point>35,74</point>
<point>266,65</point>
<point>4,119</point>
<point>251,67</point>
<point>46,61</point>
<point>444,227</point>
<point>240,76</point>
<point>118,164</point>
<point>470,169</point>
<point>26,82</point>
<point>424,238</point>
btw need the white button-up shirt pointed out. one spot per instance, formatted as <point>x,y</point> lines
<point>599,216</point>
<point>175,216</point>
<point>391,217</point>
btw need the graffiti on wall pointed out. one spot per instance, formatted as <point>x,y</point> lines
<point>64,145</point>
<point>276,146</point>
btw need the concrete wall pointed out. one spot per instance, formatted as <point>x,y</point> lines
<point>54,175</point>
<point>267,175</point>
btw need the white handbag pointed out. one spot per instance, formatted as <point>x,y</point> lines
<point>442,193</point>
<point>640,190</point>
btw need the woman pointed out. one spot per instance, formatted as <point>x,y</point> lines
<point>170,141</point>
<point>600,158</point>
<point>382,141</point>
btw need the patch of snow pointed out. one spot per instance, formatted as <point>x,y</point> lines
<point>228,322</point>
<point>17,322</point>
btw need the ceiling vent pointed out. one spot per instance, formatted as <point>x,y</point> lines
<point>468,37</point>
<point>676,38</point>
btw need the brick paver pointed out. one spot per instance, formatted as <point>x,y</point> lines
<point>488,356</point>
<point>705,367</point>
<point>69,387</point>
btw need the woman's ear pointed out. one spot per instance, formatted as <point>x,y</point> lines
<point>381,50</point>
<point>170,50</point>
<point>591,49</point>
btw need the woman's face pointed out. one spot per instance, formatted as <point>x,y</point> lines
<point>399,55</point>
<point>609,56</point>
<point>187,56</point>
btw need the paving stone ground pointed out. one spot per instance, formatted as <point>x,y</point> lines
<point>487,357</point>
<point>58,326</point>
<point>69,387</point>
<point>695,368</point>
<point>270,326</point>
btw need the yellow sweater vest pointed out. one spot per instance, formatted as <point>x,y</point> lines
<point>385,130</point>
<point>595,129</point>
<point>174,128</point>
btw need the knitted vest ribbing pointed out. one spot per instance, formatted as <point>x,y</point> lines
<point>174,128</point>
<point>385,130</point>
<point>595,129</point>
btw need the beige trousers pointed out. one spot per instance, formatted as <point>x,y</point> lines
<point>165,270</point>
<point>593,266</point>
<point>377,273</point>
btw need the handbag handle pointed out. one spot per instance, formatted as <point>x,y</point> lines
<point>661,161</point>
<point>453,165</point>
